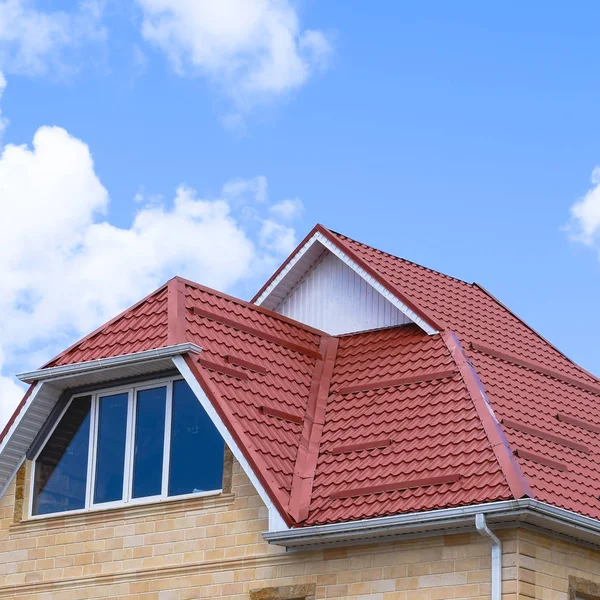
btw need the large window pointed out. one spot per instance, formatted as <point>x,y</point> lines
<point>125,446</point>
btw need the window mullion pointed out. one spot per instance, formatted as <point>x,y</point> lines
<point>90,483</point>
<point>129,447</point>
<point>167,440</point>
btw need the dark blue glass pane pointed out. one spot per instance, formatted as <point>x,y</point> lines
<point>61,468</point>
<point>149,442</point>
<point>110,453</point>
<point>196,463</point>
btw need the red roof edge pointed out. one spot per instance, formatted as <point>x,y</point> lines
<point>510,468</point>
<point>489,294</point>
<point>260,309</point>
<point>364,265</point>
<point>15,414</point>
<point>99,329</point>
<point>285,262</point>
<point>175,311</point>
<point>244,444</point>
<point>380,278</point>
<point>312,431</point>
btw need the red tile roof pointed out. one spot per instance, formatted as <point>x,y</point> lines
<point>387,421</point>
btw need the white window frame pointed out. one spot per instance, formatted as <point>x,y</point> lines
<point>127,500</point>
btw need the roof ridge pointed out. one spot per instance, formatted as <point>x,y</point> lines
<point>312,431</point>
<point>252,306</point>
<point>406,260</point>
<point>539,335</point>
<point>511,470</point>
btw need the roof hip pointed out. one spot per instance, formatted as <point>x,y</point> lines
<point>510,468</point>
<point>314,421</point>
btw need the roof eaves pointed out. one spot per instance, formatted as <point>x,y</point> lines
<point>16,412</point>
<point>515,479</point>
<point>314,421</point>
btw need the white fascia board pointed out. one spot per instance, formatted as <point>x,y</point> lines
<point>526,513</point>
<point>63,371</point>
<point>7,441</point>
<point>276,522</point>
<point>320,238</point>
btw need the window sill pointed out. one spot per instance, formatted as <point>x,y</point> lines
<point>124,512</point>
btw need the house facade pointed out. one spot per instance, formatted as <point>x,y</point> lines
<point>365,428</point>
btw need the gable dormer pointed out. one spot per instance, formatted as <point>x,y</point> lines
<point>323,286</point>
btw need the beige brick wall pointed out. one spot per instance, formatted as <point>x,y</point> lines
<point>213,548</point>
<point>545,565</point>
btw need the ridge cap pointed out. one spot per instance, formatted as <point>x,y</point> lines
<point>312,431</point>
<point>513,475</point>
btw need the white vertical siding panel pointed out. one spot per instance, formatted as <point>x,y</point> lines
<point>334,298</point>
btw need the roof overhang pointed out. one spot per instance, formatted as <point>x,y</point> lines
<point>525,513</point>
<point>309,253</point>
<point>116,367</point>
<point>51,382</point>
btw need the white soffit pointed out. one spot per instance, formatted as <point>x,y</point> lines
<point>303,261</point>
<point>22,432</point>
<point>276,522</point>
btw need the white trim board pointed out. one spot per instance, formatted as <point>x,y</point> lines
<point>319,238</point>
<point>22,432</point>
<point>166,352</point>
<point>276,522</point>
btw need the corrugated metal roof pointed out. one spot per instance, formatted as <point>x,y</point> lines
<point>385,421</point>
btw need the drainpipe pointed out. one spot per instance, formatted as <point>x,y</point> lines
<point>496,545</point>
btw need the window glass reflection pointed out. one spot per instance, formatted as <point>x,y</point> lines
<point>61,468</point>
<point>110,457</point>
<point>196,446</point>
<point>149,442</point>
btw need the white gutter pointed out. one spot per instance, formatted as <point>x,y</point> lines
<point>496,544</point>
<point>108,363</point>
<point>527,513</point>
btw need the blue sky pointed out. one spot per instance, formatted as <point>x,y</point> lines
<point>458,135</point>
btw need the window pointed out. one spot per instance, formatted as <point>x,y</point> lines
<point>126,446</point>
<point>306,591</point>
<point>582,589</point>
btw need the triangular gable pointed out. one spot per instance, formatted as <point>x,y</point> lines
<point>308,256</point>
<point>335,298</point>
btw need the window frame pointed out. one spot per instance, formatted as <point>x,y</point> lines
<point>127,500</point>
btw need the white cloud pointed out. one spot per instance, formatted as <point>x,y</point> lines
<point>252,49</point>
<point>3,120</point>
<point>240,188</point>
<point>277,237</point>
<point>33,41</point>
<point>65,268</point>
<point>584,225</point>
<point>287,210</point>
